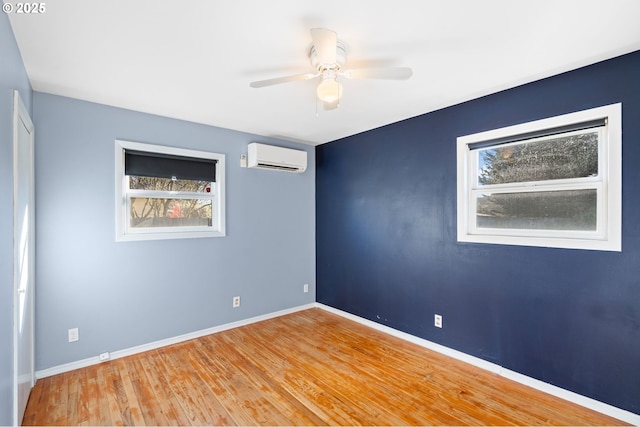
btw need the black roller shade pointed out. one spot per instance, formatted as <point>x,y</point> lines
<point>158,165</point>
<point>537,134</point>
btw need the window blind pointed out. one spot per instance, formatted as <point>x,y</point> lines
<point>538,134</point>
<point>159,165</point>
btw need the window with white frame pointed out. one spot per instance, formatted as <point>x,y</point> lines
<point>168,193</point>
<point>555,182</point>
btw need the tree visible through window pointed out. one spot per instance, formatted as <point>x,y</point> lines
<point>170,212</point>
<point>574,156</point>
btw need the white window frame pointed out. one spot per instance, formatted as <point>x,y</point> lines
<point>606,237</point>
<point>123,193</point>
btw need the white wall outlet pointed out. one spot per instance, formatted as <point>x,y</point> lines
<point>236,302</point>
<point>74,335</point>
<point>104,356</point>
<point>437,321</point>
<point>243,160</point>
<point>305,288</point>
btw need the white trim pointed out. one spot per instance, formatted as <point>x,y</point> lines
<point>55,370</point>
<point>570,396</point>
<point>608,235</point>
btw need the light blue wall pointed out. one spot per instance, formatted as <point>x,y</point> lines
<point>12,76</point>
<point>124,294</point>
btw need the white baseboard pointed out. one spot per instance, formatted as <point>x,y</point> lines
<point>165,342</point>
<point>570,396</point>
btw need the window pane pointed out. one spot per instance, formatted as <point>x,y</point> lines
<point>156,212</point>
<point>544,210</point>
<point>167,184</point>
<point>560,157</point>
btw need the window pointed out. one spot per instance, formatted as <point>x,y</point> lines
<point>555,182</point>
<point>168,193</point>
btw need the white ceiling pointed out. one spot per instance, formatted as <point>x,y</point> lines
<point>194,59</point>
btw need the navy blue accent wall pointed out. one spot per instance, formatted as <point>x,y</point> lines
<point>387,249</point>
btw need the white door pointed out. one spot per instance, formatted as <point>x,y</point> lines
<point>23,256</point>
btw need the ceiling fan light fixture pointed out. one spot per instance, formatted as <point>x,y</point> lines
<point>329,90</point>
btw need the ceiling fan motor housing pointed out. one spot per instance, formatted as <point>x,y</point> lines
<point>341,58</point>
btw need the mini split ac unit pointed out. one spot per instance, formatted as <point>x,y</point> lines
<point>277,158</point>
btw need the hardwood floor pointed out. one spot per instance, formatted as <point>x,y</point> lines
<point>306,368</point>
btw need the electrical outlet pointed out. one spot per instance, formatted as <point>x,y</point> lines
<point>306,287</point>
<point>104,356</point>
<point>73,335</point>
<point>243,160</point>
<point>236,302</point>
<point>437,321</point>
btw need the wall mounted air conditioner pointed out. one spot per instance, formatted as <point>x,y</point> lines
<point>277,158</point>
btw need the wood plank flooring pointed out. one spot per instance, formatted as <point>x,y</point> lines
<point>306,368</point>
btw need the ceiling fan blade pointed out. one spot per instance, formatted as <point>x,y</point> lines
<point>397,73</point>
<point>287,79</point>
<point>326,44</point>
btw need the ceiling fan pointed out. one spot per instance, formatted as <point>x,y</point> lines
<point>328,55</point>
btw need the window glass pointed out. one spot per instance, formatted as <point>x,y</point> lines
<point>167,184</point>
<point>563,157</point>
<point>159,212</point>
<point>539,210</point>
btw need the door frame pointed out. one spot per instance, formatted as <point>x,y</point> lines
<point>20,114</point>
